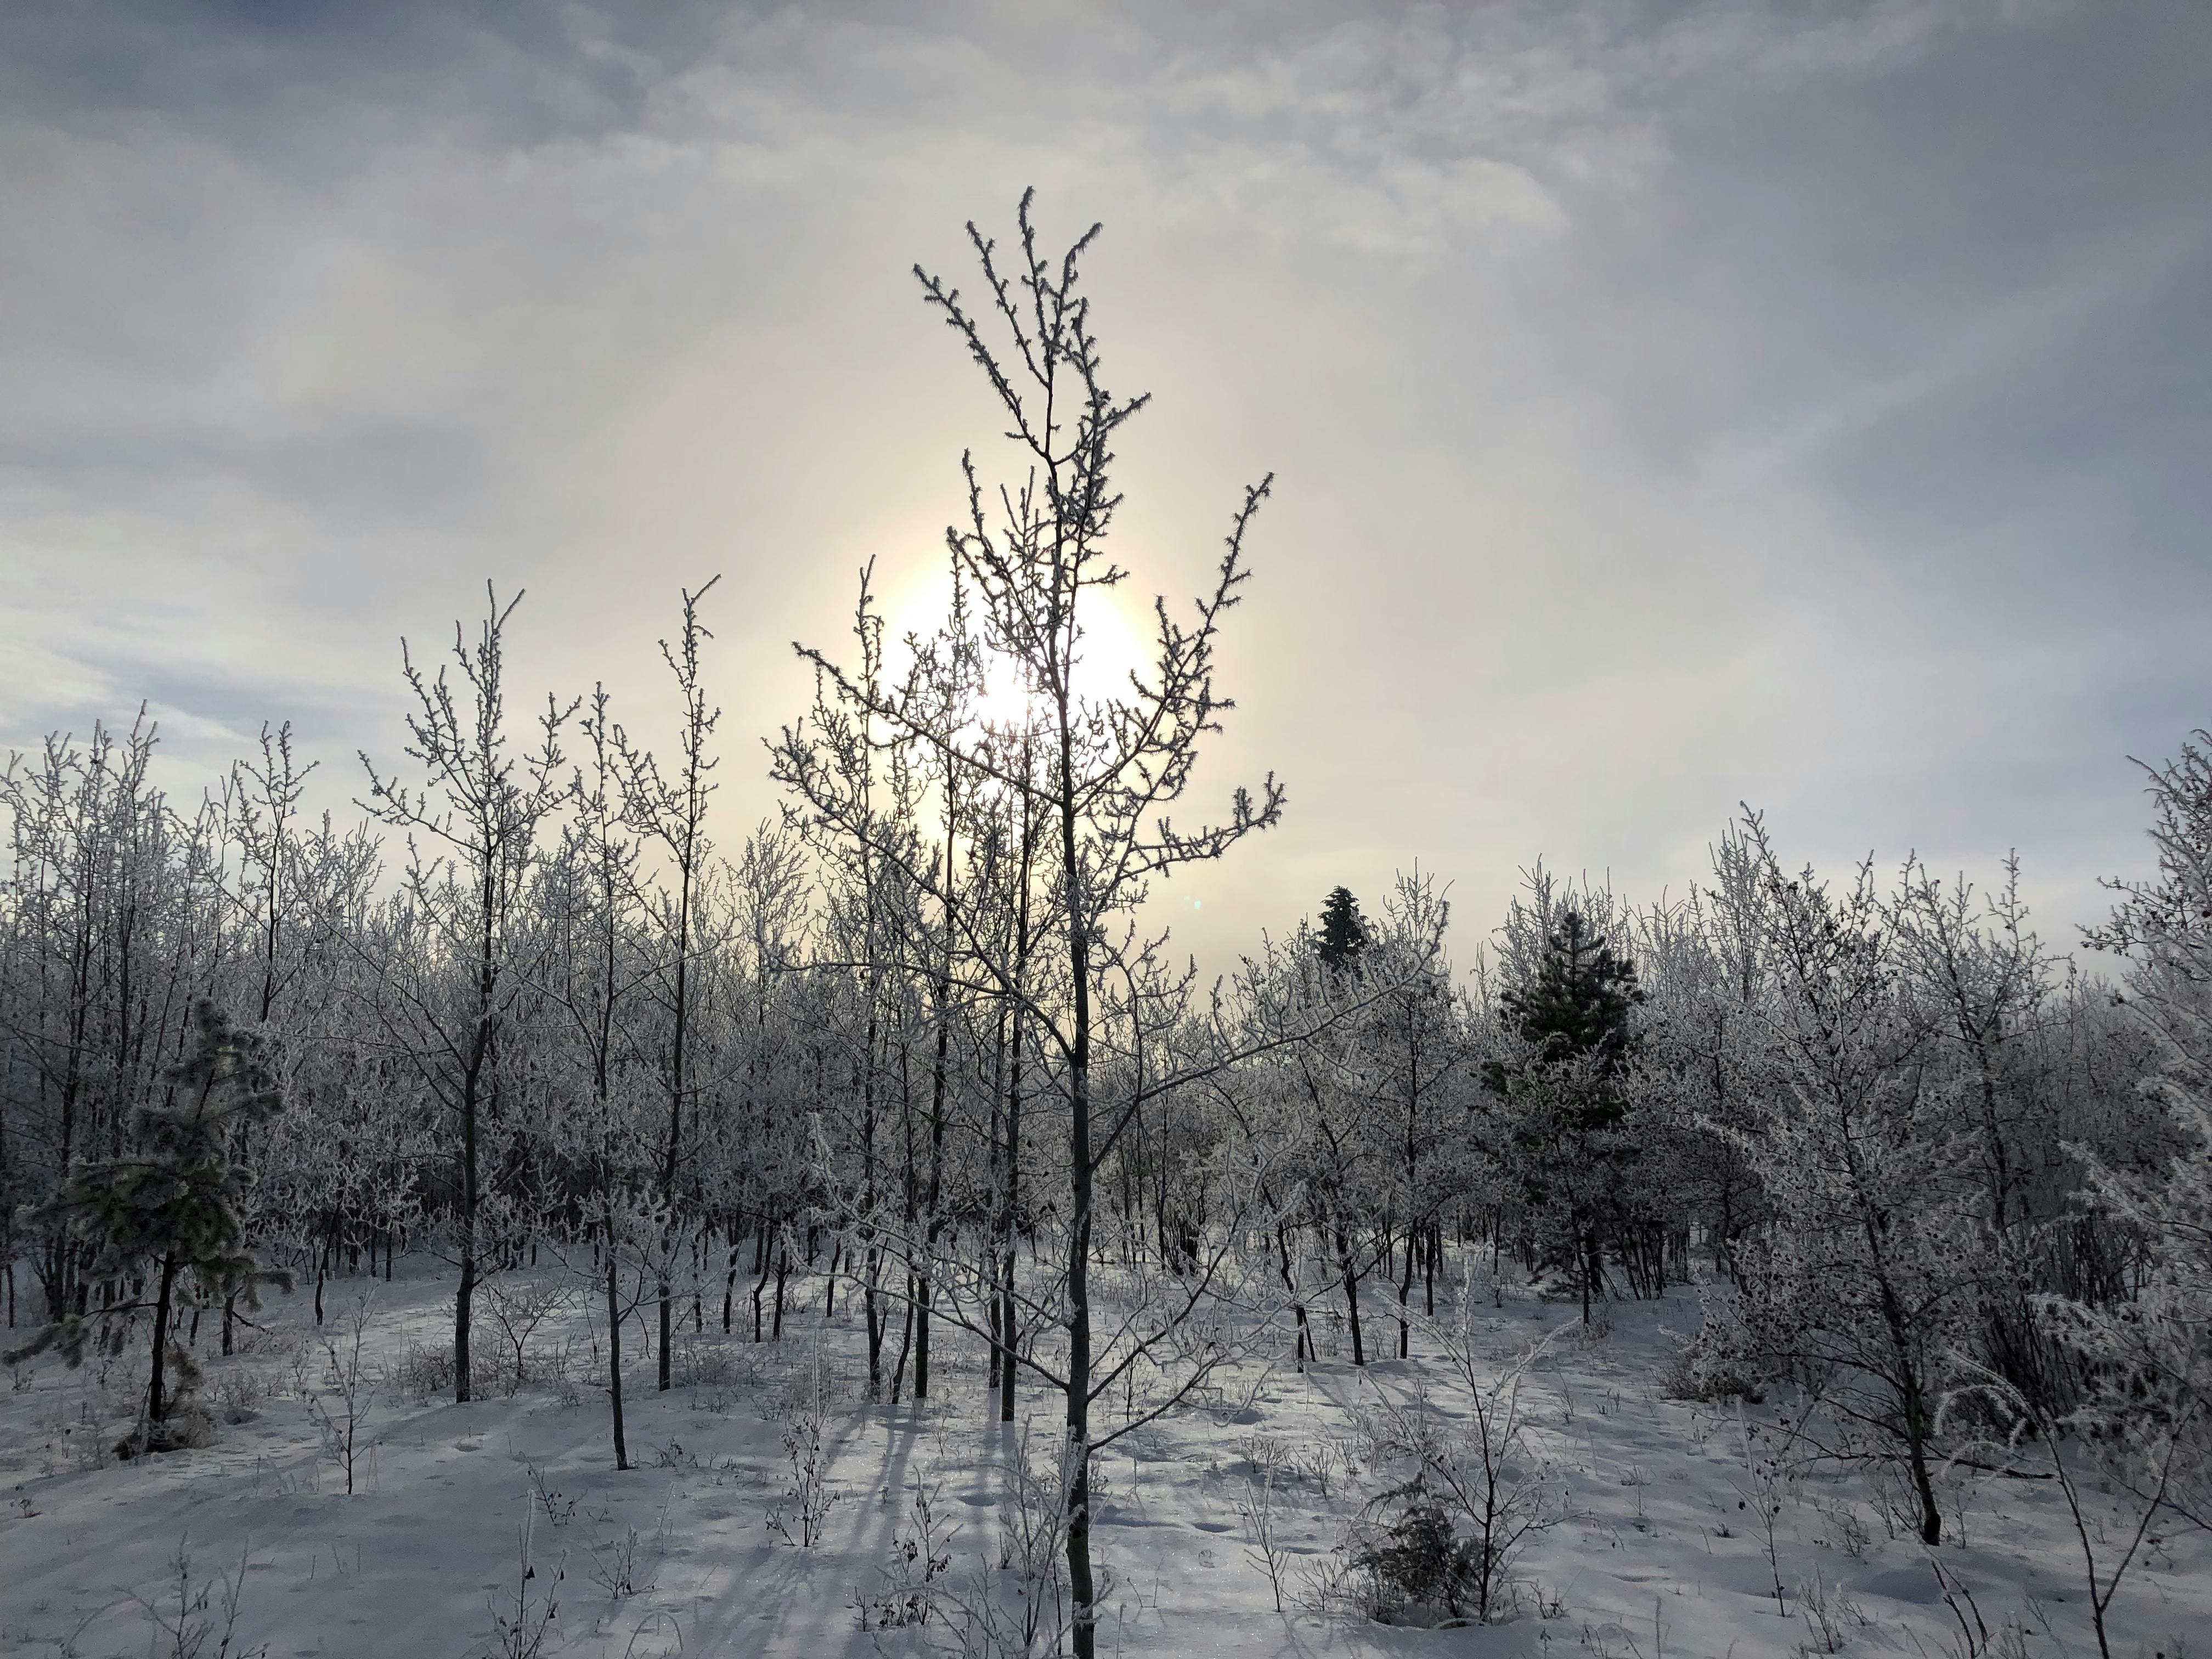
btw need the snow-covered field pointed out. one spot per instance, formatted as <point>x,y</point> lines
<point>1660,1552</point>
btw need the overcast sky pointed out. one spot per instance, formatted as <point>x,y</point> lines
<point>1671,405</point>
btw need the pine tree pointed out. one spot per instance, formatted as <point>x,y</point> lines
<point>170,1208</point>
<point>1573,1013</point>
<point>1343,936</point>
<point>1579,1002</point>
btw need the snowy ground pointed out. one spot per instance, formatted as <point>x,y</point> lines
<point>1659,1558</point>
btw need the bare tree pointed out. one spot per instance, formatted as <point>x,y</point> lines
<point>472,830</point>
<point>1115,759</point>
<point>1864,1285</point>
<point>673,812</point>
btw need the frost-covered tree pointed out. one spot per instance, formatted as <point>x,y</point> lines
<point>672,812</point>
<point>1312,1102</point>
<point>166,1213</point>
<point>1985,989</point>
<point>1113,761</point>
<point>113,926</point>
<point>1341,937</point>
<point>1560,1085</point>
<point>2150,1405</point>
<point>589,896</point>
<point>1415,1054</point>
<point>444,998</point>
<point>1865,1282</point>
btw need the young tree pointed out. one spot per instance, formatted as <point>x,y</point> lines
<point>1706,1049</point>
<point>590,891</point>
<point>1342,936</point>
<point>2149,1407</point>
<point>1563,1086</point>
<point>1982,981</point>
<point>168,1210</point>
<point>113,929</point>
<point>445,1000</point>
<point>260,803</point>
<point>1417,1043</point>
<point>672,811</point>
<point>1868,1278</point>
<point>1114,760</point>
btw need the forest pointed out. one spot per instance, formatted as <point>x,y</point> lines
<point>782,1181</point>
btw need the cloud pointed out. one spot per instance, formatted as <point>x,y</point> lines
<point>1670,403</point>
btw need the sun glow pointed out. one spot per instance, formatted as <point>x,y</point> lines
<point>1111,649</point>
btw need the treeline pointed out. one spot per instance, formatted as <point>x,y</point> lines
<point>912,1046</point>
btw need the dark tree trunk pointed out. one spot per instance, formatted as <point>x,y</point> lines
<point>782,1274</point>
<point>1350,1276</point>
<point>157,1406</point>
<point>614,1346</point>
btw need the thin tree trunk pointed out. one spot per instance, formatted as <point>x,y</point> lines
<point>906,1343</point>
<point>1405,1292</point>
<point>782,1273</point>
<point>1302,1348</point>
<point>730,1279</point>
<point>156,1406</point>
<point>1083,1589</point>
<point>1349,1272</point>
<point>760,1285</point>
<point>614,1343</point>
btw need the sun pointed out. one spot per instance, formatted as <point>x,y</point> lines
<point>1112,648</point>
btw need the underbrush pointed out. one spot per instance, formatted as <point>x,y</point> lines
<point>426,1371</point>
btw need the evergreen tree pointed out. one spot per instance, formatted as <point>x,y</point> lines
<point>170,1208</point>
<point>1343,937</point>
<point>1572,1014</point>
<point>1577,1005</point>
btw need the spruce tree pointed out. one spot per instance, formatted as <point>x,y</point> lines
<point>1578,1004</point>
<point>1574,1015</point>
<point>170,1209</point>
<point>1343,937</point>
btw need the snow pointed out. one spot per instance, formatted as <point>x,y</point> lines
<point>1661,1556</point>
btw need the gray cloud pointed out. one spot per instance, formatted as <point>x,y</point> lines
<point>1671,405</point>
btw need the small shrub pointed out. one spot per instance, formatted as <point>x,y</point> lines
<point>1589,1333</point>
<point>1718,1362</point>
<point>701,1365</point>
<point>673,1456</point>
<point>799,1519</point>
<point>558,1507</point>
<point>193,1618</point>
<point>1420,1571</point>
<point>919,1558</point>
<point>623,1569</point>
<point>424,1369</point>
<point>1846,1530</point>
<point>190,1427</point>
<point>239,1393</point>
<point>813,1388</point>
<point>1265,1454</point>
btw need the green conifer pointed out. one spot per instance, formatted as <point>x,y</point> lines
<point>169,1211</point>
<point>1578,1003</point>
<point>1343,937</point>
<point>1574,1013</point>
